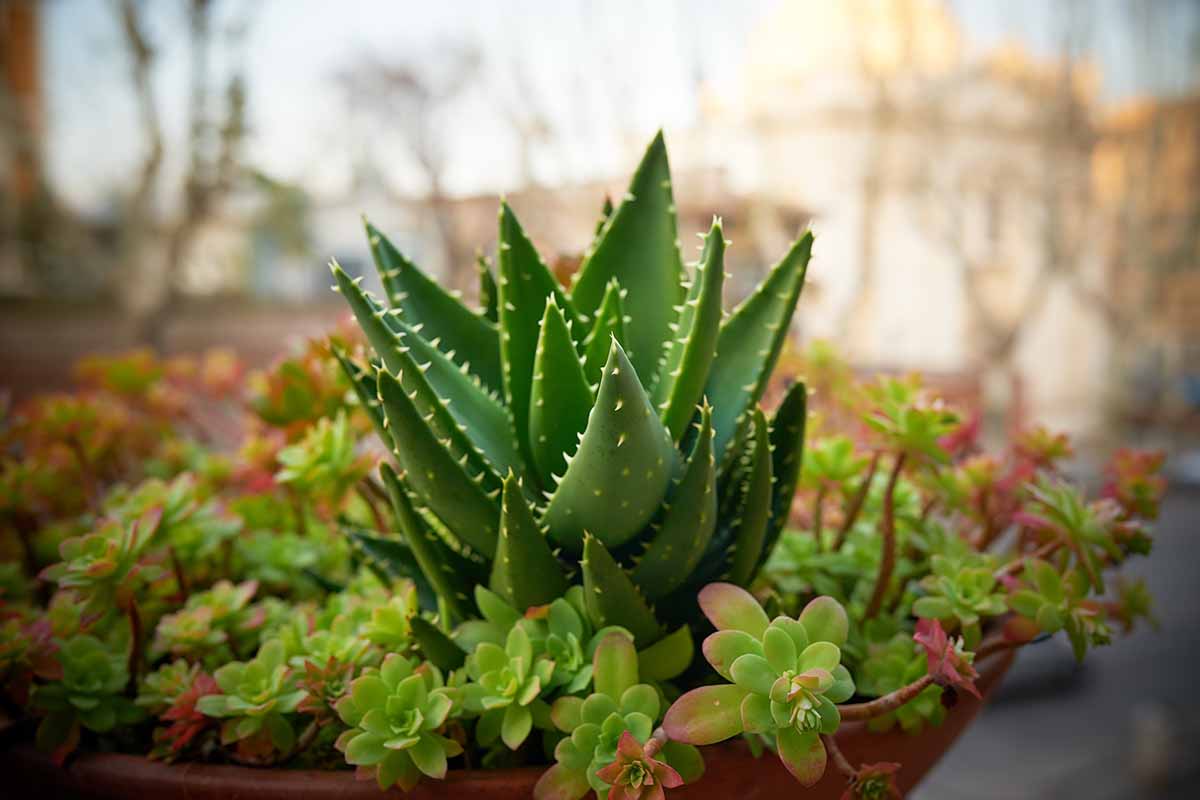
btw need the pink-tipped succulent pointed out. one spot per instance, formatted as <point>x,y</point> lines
<point>874,782</point>
<point>636,774</point>
<point>786,679</point>
<point>949,665</point>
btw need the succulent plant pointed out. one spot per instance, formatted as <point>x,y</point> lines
<point>104,568</point>
<point>256,696</point>
<point>965,592</point>
<point>395,715</point>
<point>606,434</point>
<point>88,695</point>
<point>506,688</point>
<point>610,744</point>
<point>1056,602</point>
<point>786,679</point>
<point>888,667</point>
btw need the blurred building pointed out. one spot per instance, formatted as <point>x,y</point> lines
<point>951,197</point>
<point>1147,176</point>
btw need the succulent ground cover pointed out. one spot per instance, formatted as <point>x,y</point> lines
<point>558,530</point>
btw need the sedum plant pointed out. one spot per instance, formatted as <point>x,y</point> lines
<point>786,678</point>
<point>394,717</point>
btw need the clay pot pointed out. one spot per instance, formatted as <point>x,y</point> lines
<point>732,772</point>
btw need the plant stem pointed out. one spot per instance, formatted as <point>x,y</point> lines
<point>887,564</point>
<point>177,568</point>
<point>135,645</point>
<point>818,510</point>
<point>839,759</point>
<point>995,646</point>
<point>1014,566</point>
<point>856,504</point>
<point>376,514</point>
<point>889,702</point>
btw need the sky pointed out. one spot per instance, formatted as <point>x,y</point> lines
<point>601,72</point>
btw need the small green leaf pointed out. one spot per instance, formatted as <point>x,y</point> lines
<point>779,649</point>
<point>617,478</point>
<point>802,753</point>
<point>756,714</point>
<point>611,597</point>
<point>561,397</point>
<point>825,620</point>
<point>722,648</point>
<point>730,607</point>
<point>753,673</point>
<point>668,657</point>
<point>615,666</point>
<point>441,316</point>
<point>692,345</point>
<point>706,715</point>
<point>515,726</point>
<point>639,247</point>
<point>749,342</point>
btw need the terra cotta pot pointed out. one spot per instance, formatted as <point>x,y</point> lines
<point>731,771</point>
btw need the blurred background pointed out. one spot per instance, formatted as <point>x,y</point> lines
<point>1006,195</point>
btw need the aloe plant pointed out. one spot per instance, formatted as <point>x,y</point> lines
<point>604,434</point>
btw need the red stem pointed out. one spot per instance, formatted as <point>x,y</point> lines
<point>889,702</point>
<point>839,760</point>
<point>1014,566</point>
<point>818,510</point>
<point>856,504</point>
<point>887,564</point>
<point>135,644</point>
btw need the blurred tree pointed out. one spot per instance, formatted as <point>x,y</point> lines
<point>153,248</point>
<point>409,97</point>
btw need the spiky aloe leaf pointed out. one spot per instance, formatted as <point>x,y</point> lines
<point>525,572</point>
<point>639,247</point>
<point>365,389</point>
<point>605,214</point>
<point>439,314</point>
<point>448,572</point>
<point>750,340</point>
<point>787,453</point>
<point>488,293</point>
<point>608,324</point>
<point>690,352</point>
<point>452,493</point>
<point>436,646</point>
<point>434,382</point>
<point>688,524</point>
<point>617,478</point>
<point>755,504</point>
<point>479,413</point>
<point>611,598</point>
<point>525,283</point>
<point>561,397</point>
